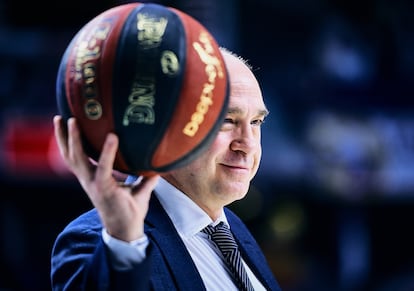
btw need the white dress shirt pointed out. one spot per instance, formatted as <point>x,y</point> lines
<point>189,220</point>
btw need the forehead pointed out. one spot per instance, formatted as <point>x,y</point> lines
<point>245,95</point>
<point>247,105</point>
<point>245,92</point>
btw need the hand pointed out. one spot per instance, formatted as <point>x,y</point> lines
<point>122,209</point>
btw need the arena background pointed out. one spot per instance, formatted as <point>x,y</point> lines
<point>333,203</point>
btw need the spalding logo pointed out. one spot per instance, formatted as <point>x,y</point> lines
<point>213,70</point>
<point>86,57</point>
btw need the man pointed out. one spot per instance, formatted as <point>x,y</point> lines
<point>148,235</point>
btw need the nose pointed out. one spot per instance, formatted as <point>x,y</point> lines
<point>246,139</point>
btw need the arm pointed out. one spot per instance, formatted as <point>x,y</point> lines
<point>79,251</point>
<point>81,260</point>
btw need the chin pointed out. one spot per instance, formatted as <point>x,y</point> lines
<point>239,193</point>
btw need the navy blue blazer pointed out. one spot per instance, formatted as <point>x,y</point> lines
<point>80,259</point>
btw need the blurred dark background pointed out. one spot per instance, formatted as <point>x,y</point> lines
<point>333,203</point>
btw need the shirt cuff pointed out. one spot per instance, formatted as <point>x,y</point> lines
<point>125,254</point>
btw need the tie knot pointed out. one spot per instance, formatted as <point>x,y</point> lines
<point>221,235</point>
<point>219,228</point>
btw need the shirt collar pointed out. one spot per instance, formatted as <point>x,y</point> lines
<point>188,218</point>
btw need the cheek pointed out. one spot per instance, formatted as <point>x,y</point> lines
<point>257,159</point>
<point>203,160</point>
<point>211,154</point>
<point>221,142</point>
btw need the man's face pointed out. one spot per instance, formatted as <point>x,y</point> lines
<point>222,173</point>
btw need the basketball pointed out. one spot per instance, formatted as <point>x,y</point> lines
<point>151,74</point>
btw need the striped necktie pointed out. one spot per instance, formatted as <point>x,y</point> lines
<point>223,238</point>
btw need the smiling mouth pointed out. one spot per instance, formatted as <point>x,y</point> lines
<point>235,167</point>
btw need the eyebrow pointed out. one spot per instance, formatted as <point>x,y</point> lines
<point>236,110</point>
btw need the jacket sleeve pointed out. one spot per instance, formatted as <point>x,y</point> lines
<point>80,260</point>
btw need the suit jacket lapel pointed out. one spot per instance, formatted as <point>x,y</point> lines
<point>161,230</point>
<point>251,253</point>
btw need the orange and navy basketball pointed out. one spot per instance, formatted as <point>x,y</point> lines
<point>151,74</point>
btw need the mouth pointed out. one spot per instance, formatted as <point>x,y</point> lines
<point>240,168</point>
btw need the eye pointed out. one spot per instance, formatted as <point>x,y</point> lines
<point>229,121</point>
<point>257,122</point>
<point>228,124</point>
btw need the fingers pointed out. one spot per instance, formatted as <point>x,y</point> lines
<point>60,135</point>
<point>78,158</point>
<point>146,183</point>
<point>144,187</point>
<point>70,146</point>
<point>122,209</point>
<point>105,164</point>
